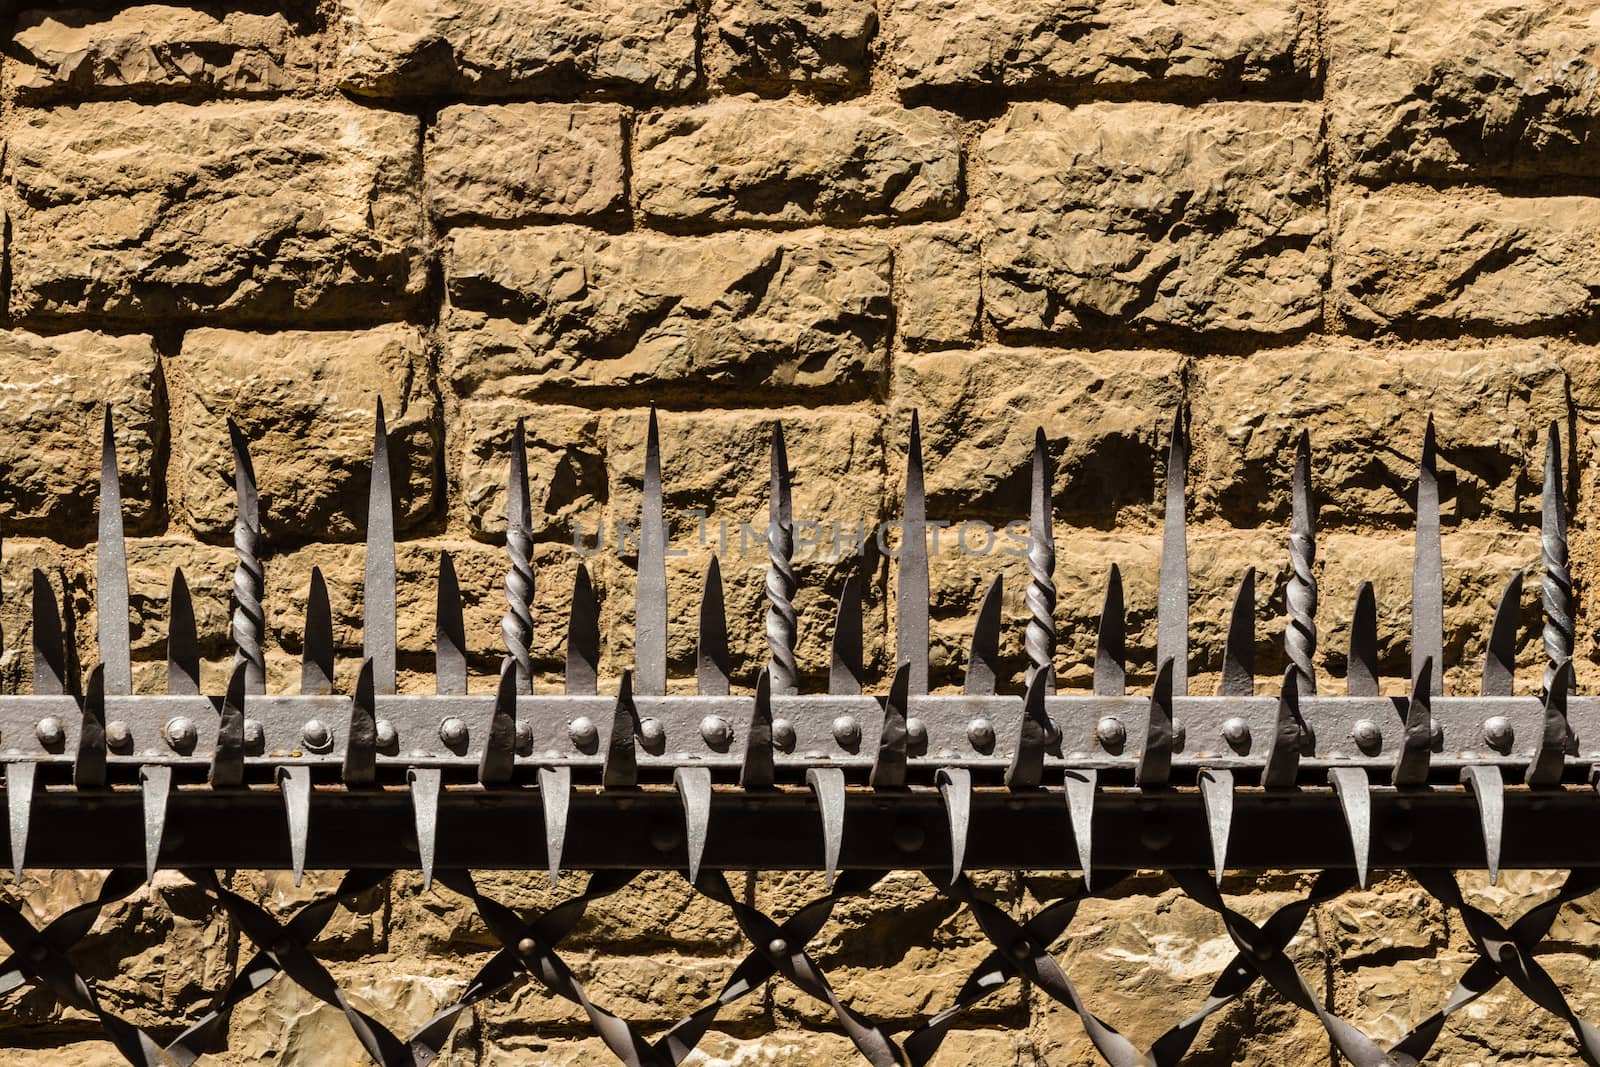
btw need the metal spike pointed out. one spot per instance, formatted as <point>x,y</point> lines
<point>911,601</point>
<point>650,607</point>
<point>1040,637</point>
<point>1239,655</point>
<point>111,574</point>
<point>361,749</point>
<point>583,637</point>
<point>1081,785</point>
<point>757,771</point>
<point>955,786</point>
<point>1033,737</point>
<point>183,653</point>
<point>1556,584</point>
<point>1288,736</point>
<point>711,651</point>
<point>782,620</point>
<point>1155,762</point>
<point>1362,672</point>
<point>49,648</point>
<point>449,633</point>
<point>155,785</point>
<point>1110,647</point>
<point>500,745</point>
<point>89,769</point>
<point>1489,789</point>
<point>1355,800</point>
<point>227,762</point>
<point>19,806</point>
<point>1300,596</point>
<point>889,767</point>
<point>1216,795</point>
<point>844,673</point>
<point>694,791</point>
<point>828,785</point>
<point>425,783</point>
<point>294,783</point>
<point>316,661</point>
<point>621,767</point>
<point>985,651</point>
<point>1427,573</point>
<point>555,796</point>
<point>1415,754</point>
<point>378,596</point>
<point>1500,657</point>
<point>1550,756</point>
<point>249,617</point>
<point>516,625</point>
<point>1172,592</point>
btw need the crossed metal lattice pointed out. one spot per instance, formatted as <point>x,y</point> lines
<point>855,785</point>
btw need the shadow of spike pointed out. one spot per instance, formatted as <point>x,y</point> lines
<point>758,770</point>
<point>449,633</point>
<point>1110,646</point>
<point>1500,654</point>
<point>583,638</point>
<point>49,648</point>
<point>845,670</point>
<point>183,652</point>
<point>984,652</point>
<point>1239,652</point>
<point>711,644</point>
<point>1361,677</point>
<point>316,659</point>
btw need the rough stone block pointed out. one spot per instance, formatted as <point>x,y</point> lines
<point>568,478</point>
<point>562,309</point>
<point>1150,216</point>
<point>736,162</point>
<point>776,44</point>
<point>276,212</point>
<point>939,288</point>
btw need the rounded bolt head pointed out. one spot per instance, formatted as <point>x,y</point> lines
<point>181,733</point>
<point>1236,732</point>
<point>716,732</point>
<point>783,736</point>
<point>916,736</point>
<point>581,731</point>
<point>118,735</point>
<point>1111,734</point>
<point>317,736</point>
<point>1367,736</point>
<point>1497,733</point>
<point>524,738</point>
<point>255,737</point>
<point>526,946</point>
<point>778,947</point>
<point>847,732</point>
<point>980,732</point>
<point>453,732</point>
<point>388,736</point>
<point>50,732</point>
<point>652,736</point>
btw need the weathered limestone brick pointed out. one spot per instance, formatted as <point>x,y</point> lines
<point>735,162</point>
<point>307,401</point>
<point>491,48</point>
<point>50,427</point>
<point>520,162</point>
<point>568,475</point>
<point>1467,260</point>
<point>1145,216</point>
<point>775,44</point>
<point>561,309</point>
<point>158,51</point>
<point>277,212</point>
<point>1208,47</point>
<point>1485,89</point>
<point>938,287</point>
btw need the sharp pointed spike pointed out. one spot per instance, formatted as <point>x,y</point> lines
<point>583,637</point>
<point>1427,573</point>
<point>1033,737</point>
<point>555,796</point>
<point>844,674</point>
<point>1489,789</point>
<point>955,787</point>
<point>316,664</point>
<point>1289,736</point>
<point>1555,584</point>
<point>1239,655</point>
<point>1355,801</point>
<point>378,592</point>
<point>500,746</point>
<point>782,622</point>
<point>1500,657</point>
<point>1172,592</point>
<point>449,633</point>
<point>1110,649</point>
<point>89,769</point>
<point>1216,794</point>
<point>1155,762</point>
<point>111,573</point>
<point>155,785</point>
<point>1415,750</point>
<point>516,625</point>
<point>711,651</point>
<point>694,791</point>
<point>1039,639</point>
<point>1081,785</point>
<point>19,806</point>
<point>1300,595</point>
<point>621,767</point>
<point>1550,757</point>
<point>183,652</point>
<point>650,607</point>
<point>425,783</point>
<point>249,618</point>
<point>758,771</point>
<point>911,599</point>
<point>827,783</point>
<point>295,785</point>
<point>889,768</point>
<point>361,749</point>
<point>985,651</point>
<point>227,762</point>
<point>49,649</point>
<point>1362,674</point>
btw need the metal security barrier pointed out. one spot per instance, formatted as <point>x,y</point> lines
<point>855,785</point>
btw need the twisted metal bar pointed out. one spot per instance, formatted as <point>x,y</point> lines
<point>516,625</point>
<point>1556,585</point>
<point>782,620</point>
<point>1040,597</point>
<point>1300,638</point>
<point>249,618</point>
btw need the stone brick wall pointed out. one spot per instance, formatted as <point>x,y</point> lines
<point>1276,214</point>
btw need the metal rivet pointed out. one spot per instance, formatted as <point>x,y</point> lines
<point>778,947</point>
<point>652,736</point>
<point>526,946</point>
<point>1236,732</point>
<point>181,733</point>
<point>50,732</point>
<point>1111,734</point>
<point>847,732</point>
<point>316,736</point>
<point>453,732</point>
<point>524,738</point>
<point>388,736</point>
<point>118,735</point>
<point>583,734</point>
<point>980,732</point>
<point>1367,736</point>
<point>716,732</point>
<point>783,735</point>
<point>255,737</point>
<point>916,736</point>
<point>1497,733</point>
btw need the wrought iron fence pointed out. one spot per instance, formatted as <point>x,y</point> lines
<point>856,785</point>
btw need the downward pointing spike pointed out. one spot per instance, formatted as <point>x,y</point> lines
<point>449,633</point>
<point>782,622</point>
<point>1500,657</point>
<point>49,650</point>
<point>844,675</point>
<point>361,749</point>
<point>650,606</point>
<point>911,601</point>
<point>155,784</point>
<point>227,763</point>
<point>555,796</point>
<point>1427,572</point>
<point>249,618</point>
<point>1172,593</point>
<point>583,637</point>
<point>711,654</point>
<point>1489,789</point>
<point>1355,800</point>
<point>1413,759</point>
<point>985,651</point>
<point>1033,737</point>
<point>183,652</point>
<point>111,573</point>
<point>1110,648</point>
<point>1216,794</point>
<point>1081,785</point>
<point>828,785</point>
<point>316,664</point>
<point>295,785</point>
<point>889,768</point>
<point>89,769</point>
<point>1040,638</point>
<point>378,593</point>
<point>19,806</point>
<point>694,790</point>
<point>1239,655</point>
<point>500,749</point>
<point>1362,674</point>
<point>425,783</point>
<point>955,786</point>
<point>621,765</point>
<point>1550,757</point>
<point>757,771</point>
<point>1155,762</point>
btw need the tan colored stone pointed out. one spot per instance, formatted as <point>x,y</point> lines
<point>1485,89</point>
<point>518,162</point>
<point>307,403</point>
<point>277,212</point>
<point>1394,919</point>
<point>1151,216</point>
<point>568,477</point>
<point>1462,260</point>
<point>734,162</point>
<point>938,288</point>
<point>775,44</point>
<point>489,48</point>
<point>551,311</point>
<point>158,51</point>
